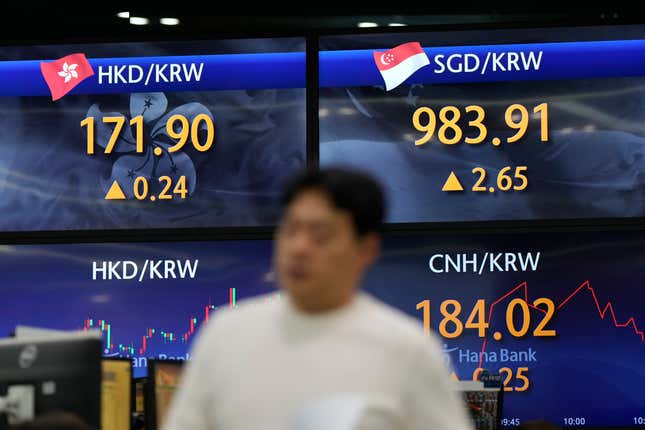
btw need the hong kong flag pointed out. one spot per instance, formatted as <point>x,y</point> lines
<point>65,73</point>
<point>399,63</point>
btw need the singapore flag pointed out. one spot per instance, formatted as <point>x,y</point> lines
<point>399,63</point>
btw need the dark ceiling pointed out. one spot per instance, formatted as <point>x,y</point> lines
<point>33,21</point>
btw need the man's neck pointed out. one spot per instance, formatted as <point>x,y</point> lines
<point>322,307</point>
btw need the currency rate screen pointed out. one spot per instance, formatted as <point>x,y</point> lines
<point>149,135</point>
<point>148,299</point>
<point>517,124</point>
<point>559,317</point>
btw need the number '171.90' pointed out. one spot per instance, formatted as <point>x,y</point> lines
<point>177,127</point>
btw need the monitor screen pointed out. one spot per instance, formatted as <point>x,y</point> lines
<point>138,404</point>
<point>558,315</point>
<point>149,134</point>
<point>483,405</point>
<point>490,124</point>
<point>148,299</point>
<point>116,394</point>
<point>165,380</point>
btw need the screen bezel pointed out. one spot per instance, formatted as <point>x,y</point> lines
<point>131,389</point>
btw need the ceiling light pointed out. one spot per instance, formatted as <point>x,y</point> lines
<point>138,20</point>
<point>169,21</point>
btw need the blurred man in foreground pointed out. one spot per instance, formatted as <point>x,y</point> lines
<point>327,356</point>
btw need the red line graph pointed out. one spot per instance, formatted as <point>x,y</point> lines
<point>608,307</point>
<point>601,312</point>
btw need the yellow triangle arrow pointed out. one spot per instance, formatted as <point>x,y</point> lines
<point>452,183</point>
<point>115,192</point>
<point>454,377</point>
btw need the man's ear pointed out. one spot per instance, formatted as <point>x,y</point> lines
<point>371,249</point>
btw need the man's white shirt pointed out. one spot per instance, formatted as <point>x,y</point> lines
<point>267,365</point>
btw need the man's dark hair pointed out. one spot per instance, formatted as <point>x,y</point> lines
<point>351,190</point>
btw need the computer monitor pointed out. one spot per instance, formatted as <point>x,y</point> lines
<point>56,373</point>
<point>163,381</point>
<point>116,394</point>
<point>484,404</point>
<point>138,404</point>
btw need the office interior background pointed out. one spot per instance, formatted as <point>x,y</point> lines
<point>514,165</point>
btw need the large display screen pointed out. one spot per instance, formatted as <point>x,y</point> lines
<point>150,134</point>
<point>481,125</point>
<point>148,299</point>
<point>559,316</point>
